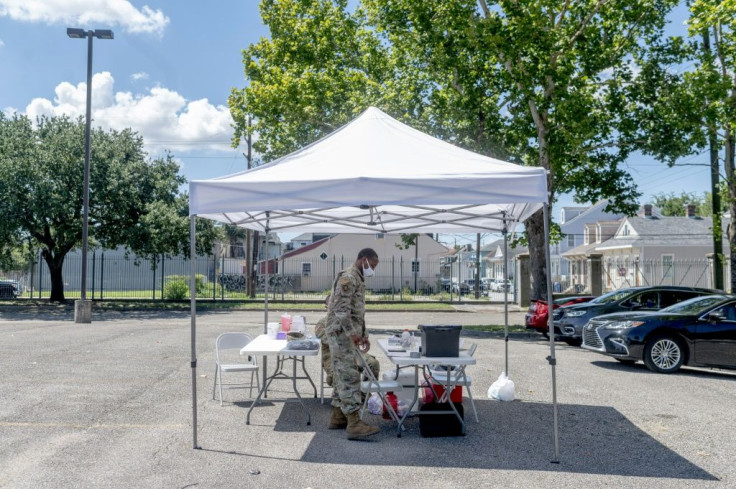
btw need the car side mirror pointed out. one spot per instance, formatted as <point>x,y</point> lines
<point>716,316</point>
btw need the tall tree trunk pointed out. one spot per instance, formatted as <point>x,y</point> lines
<point>537,257</point>
<point>715,189</point>
<point>55,264</point>
<point>731,179</point>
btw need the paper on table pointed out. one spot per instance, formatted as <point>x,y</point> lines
<point>402,353</point>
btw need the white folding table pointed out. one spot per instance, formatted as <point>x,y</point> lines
<point>262,345</point>
<point>401,358</point>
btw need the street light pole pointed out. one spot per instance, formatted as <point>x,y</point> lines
<point>83,307</point>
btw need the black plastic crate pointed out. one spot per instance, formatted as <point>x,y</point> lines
<point>440,340</point>
<point>432,424</point>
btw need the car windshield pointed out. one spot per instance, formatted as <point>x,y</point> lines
<point>696,305</point>
<point>614,296</point>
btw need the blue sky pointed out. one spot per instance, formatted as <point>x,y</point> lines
<point>168,73</point>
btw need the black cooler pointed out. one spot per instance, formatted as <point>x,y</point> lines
<point>440,340</point>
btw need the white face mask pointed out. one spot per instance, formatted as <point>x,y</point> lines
<point>368,272</point>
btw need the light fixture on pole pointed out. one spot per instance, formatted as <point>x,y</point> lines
<point>83,307</point>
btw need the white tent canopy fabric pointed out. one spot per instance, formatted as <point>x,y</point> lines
<point>373,175</point>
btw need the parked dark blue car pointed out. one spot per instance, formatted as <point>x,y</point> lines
<point>699,332</point>
<point>569,321</point>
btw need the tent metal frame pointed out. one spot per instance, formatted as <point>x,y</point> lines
<point>265,220</point>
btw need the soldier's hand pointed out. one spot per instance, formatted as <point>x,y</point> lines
<point>357,339</point>
<point>365,346</point>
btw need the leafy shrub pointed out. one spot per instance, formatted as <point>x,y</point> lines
<point>406,292</point>
<point>176,289</point>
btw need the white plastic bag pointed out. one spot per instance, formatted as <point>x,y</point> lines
<point>375,405</point>
<point>502,389</point>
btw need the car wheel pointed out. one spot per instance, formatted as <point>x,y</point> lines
<point>664,354</point>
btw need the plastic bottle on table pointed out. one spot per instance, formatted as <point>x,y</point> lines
<point>406,339</point>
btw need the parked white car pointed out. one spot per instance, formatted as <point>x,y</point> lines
<point>499,285</point>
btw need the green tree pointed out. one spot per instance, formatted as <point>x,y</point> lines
<point>693,110</point>
<point>671,204</point>
<point>134,201</point>
<point>315,74</point>
<point>537,83</point>
<point>715,22</point>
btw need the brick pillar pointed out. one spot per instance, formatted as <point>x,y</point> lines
<point>523,280</point>
<point>594,280</point>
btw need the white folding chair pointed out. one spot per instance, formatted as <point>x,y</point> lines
<point>226,362</point>
<point>372,385</point>
<point>458,377</point>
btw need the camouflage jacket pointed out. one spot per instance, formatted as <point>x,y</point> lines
<point>347,307</point>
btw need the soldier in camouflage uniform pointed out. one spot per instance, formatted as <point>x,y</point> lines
<point>319,331</point>
<point>345,333</point>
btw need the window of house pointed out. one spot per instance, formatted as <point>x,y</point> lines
<point>414,266</point>
<point>571,240</point>
<point>379,235</point>
<point>625,231</point>
<point>668,264</point>
<point>306,269</point>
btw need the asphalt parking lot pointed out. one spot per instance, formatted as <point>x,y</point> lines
<point>108,404</point>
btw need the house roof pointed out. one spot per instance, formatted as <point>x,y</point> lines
<point>304,249</point>
<point>670,231</point>
<point>581,250</point>
<point>303,237</point>
<point>589,210</point>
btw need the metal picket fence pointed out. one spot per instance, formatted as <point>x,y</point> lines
<point>111,275</point>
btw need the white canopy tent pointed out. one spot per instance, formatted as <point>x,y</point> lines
<point>373,175</point>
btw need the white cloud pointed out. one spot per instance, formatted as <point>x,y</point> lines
<point>84,13</point>
<point>164,118</point>
<point>139,76</point>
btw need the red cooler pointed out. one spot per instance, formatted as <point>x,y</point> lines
<point>455,396</point>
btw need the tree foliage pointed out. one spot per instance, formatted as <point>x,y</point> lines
<point>134,201</point>
<point>538,83</point>
<point>672,204</point>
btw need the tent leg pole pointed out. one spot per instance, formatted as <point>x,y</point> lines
<point>551,358</point>
<point>193,306</point>
<point>505,298</point>
<point>264,359</point>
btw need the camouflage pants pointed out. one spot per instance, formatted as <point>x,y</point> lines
<point>327,362</point>
<point>345,373</point>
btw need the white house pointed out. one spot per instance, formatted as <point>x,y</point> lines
<point>651,249</point>
<point>315,265</point>
<point>572,224</point>
<point>495,258</point>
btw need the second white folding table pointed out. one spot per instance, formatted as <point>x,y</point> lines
<point>401,357</point>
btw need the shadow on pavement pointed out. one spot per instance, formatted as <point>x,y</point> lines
<point>510,436</point>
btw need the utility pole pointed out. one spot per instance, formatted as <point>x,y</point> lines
<point>249,256</point>
<point>477,266</point>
